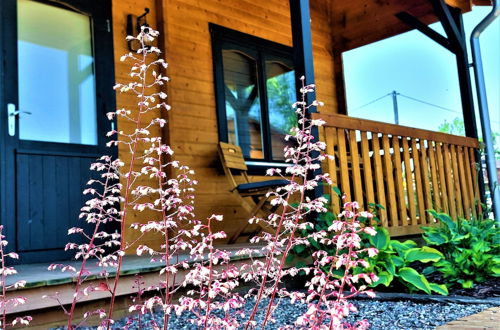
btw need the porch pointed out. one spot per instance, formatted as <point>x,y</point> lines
<point>405,170</point>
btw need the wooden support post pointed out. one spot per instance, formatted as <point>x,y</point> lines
<point>304,66</point>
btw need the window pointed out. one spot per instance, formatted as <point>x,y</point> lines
<point>255,88</point>
<point>56,75</point>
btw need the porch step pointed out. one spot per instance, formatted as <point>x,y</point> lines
<point>45,289</point>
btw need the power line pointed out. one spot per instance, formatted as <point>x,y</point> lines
<point>428,103</point>
<point>413,99</point>
<point>367,104</point>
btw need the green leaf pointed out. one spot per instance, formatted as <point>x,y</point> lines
<point>381,240</point>
<point>423,254</point>
<point>398,261</point>
<point>439,288</point>
<point>384,278</point>
<point>401,247</point>
<point>447,220</point>
<point>299,248</point>
<point>466,284</point>
<point>314,243</point>
<point>495,267</point>
<point>389,264</point>
<point>434,237</point>
<point>428,270</point>
<point>337,191</point>
<point>300,264</point>
<point>411,276</point>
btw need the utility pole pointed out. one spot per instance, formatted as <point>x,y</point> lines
<point>395,104</point>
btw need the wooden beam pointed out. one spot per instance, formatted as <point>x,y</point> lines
<point>444,14</point>
<point>414,22</point>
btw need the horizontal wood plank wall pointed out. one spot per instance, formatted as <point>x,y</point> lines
<point>193,121</point>
<point>421,170</point>
<point>121,8</point>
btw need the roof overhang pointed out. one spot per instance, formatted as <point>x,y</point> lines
<point>356,23</point>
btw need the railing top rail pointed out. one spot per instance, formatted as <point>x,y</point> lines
<point>343,121</point>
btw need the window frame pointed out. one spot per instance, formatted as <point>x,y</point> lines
<point>264,50</point>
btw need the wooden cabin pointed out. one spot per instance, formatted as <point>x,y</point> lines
<point>60,60</point>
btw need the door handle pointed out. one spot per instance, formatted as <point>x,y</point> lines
<point>11,117</point>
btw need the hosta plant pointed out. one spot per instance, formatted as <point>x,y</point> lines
<point>471,248</point>
<point>394,263</point>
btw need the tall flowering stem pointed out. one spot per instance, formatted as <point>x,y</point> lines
<point>296,209</point>
<point>6,303</point>
<point>291,217</point>
<point>145,84</point>
<point>328,292</point>
<point>98,211</point>
<point>168,206</point>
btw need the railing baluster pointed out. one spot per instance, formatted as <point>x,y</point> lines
<point>456,181</point>
<point>389,177</point>
<point>367,169</point>
<point>466,198</point>
<point>409,181</point>
<point>343,164</point>
<point>356,175</point>
<point>470,173</point>
<point>477,198</point>
<point>427,177</point>
<point>418,182</point>
<point>436,193</point>
<point>449,181</point>
<point>379,182</point>
<point>331,145</point>
<point>442,178</point>
<point>401,197</point>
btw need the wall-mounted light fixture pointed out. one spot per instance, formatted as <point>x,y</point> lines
<point>134,24</point>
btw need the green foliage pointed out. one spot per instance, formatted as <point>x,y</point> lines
<point>394,261</point>
<point>457,127</point>
<point>471,249</point>
<point>393,264</point>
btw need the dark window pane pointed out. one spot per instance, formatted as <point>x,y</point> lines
<point>242,103</point>
<point>280,85</point>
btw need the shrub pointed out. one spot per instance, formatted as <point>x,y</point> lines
<point>471,248</point>
<point>394,261</point>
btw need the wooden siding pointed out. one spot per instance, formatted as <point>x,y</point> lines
<point>192,126</point>
<point>121,8</point>
<point>193,120</point>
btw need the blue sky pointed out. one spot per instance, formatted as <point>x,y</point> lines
<point>415,66</point>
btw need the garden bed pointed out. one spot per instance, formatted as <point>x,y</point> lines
<point>382,313</point>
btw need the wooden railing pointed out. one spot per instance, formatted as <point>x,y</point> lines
<point>406,170</point>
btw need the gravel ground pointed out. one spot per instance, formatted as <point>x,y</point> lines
<point>381,315</point>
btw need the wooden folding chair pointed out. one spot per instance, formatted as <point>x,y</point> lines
<point>252,195</point>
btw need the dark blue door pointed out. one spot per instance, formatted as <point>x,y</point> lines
<point>56,89</point>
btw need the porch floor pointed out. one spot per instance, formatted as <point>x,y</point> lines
<point>41,282</point>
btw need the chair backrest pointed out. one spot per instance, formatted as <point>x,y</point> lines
<point>231,157</point>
